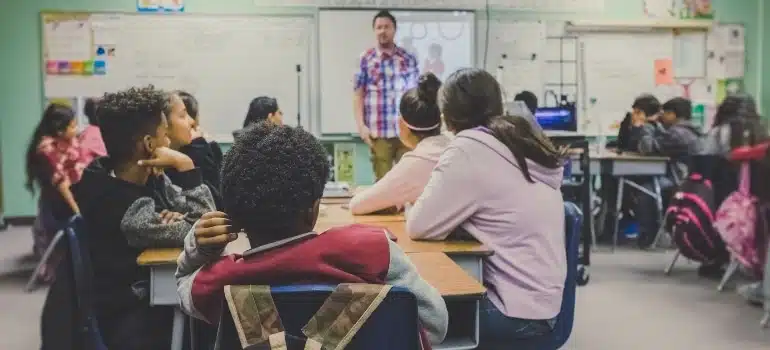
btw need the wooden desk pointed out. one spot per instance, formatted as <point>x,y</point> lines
<point>436,267</point>
<point>454,268</point>
<point>624,164</point>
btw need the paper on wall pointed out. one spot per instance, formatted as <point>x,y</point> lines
<point>68,40</point>
<point>727,52</point>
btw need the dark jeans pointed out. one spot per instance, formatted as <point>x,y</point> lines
<point>500,332</point>
<point>142,328</point>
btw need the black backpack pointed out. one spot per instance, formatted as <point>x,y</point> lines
<point>689,219</point>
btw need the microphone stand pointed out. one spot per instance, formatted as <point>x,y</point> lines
<point>299,95</point>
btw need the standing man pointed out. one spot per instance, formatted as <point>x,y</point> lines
<point>385,72</point>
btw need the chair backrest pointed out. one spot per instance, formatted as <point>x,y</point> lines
<point>393,325</point>
<point>82,275</point>
<point>573,219</point>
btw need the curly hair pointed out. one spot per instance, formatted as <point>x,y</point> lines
<point>270,177</point>
<point>127,116</point>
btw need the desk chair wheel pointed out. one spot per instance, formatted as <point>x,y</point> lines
<point>583,277</point>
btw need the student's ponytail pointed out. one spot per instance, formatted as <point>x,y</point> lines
<point>524,142</point>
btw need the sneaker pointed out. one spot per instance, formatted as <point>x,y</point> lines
<point>752,292</point>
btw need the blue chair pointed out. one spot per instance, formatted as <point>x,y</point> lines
<point>86,325</point>
<point>393,325</point>
<point>573,219</point>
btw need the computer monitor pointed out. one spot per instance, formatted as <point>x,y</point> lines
<point>561,118</point>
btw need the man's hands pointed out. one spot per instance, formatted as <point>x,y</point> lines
<point>165,157</point>
<point>214,229</point>
<point>365,134</point>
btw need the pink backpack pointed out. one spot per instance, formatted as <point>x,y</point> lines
<point>736,221</point>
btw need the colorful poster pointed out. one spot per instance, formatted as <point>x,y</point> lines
<point>344,162</point>
<point>160,5</point>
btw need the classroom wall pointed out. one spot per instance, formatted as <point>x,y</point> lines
<point>21,88</point>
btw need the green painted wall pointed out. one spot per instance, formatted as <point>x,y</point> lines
<point>21,78</point>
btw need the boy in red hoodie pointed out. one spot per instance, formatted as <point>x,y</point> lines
<point>272,182</point>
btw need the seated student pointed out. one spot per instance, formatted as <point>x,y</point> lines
<point>91,143</point>
<point>734,111</point>
<point>262,108</point>
<point>671,134</point>
<point>420,131</point>
<point>129,206</point>
<point>499,181</point>
<point>191,105</point>
<point>272,183</point>
<point>187,138</point>
<point>645,107</point>
<point>529,99</point>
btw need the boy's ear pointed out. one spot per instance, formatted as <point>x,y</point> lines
<point>148,144</point>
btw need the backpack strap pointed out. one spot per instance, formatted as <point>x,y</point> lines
<point>744,186</point>
<point>255,316</point>
<point>342,315</point>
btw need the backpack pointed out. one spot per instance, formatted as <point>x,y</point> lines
<point>736,221</point>
<point>689,219</point>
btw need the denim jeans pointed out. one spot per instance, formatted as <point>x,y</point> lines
<point>500,332</point>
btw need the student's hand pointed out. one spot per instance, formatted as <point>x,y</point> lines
<point>165,157</point>
<point>365,134</point>
<point>168,217</point>
<point>214,228</point>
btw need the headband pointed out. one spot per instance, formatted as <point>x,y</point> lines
<point>415,128</point>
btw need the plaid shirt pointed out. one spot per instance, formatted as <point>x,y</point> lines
<point>384,78</point>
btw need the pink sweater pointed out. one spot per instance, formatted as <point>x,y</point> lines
<point>91,144</point>
<point>405,182</point>
<point>477,185</point>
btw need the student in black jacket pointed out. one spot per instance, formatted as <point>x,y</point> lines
<point>128,206</point>
<point>186,136</point>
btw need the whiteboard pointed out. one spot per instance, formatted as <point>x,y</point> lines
<point>617,68</point>
<point>453,30</point>
<point>225,61</point>
<point>516,52</point>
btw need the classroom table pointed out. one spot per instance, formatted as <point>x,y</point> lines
<point>622,166</point>
<point>454,268</point>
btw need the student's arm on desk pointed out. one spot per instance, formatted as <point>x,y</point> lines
<point>444,204</point>
<point>394,189</point>
<point>431,307</point>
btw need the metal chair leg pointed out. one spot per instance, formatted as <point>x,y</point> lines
<point>728,274</point>
<point>661,232</point>
<point>670,267</point>
<point>32,283</point>
<point>765,320</point>
<point>618,210</point>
